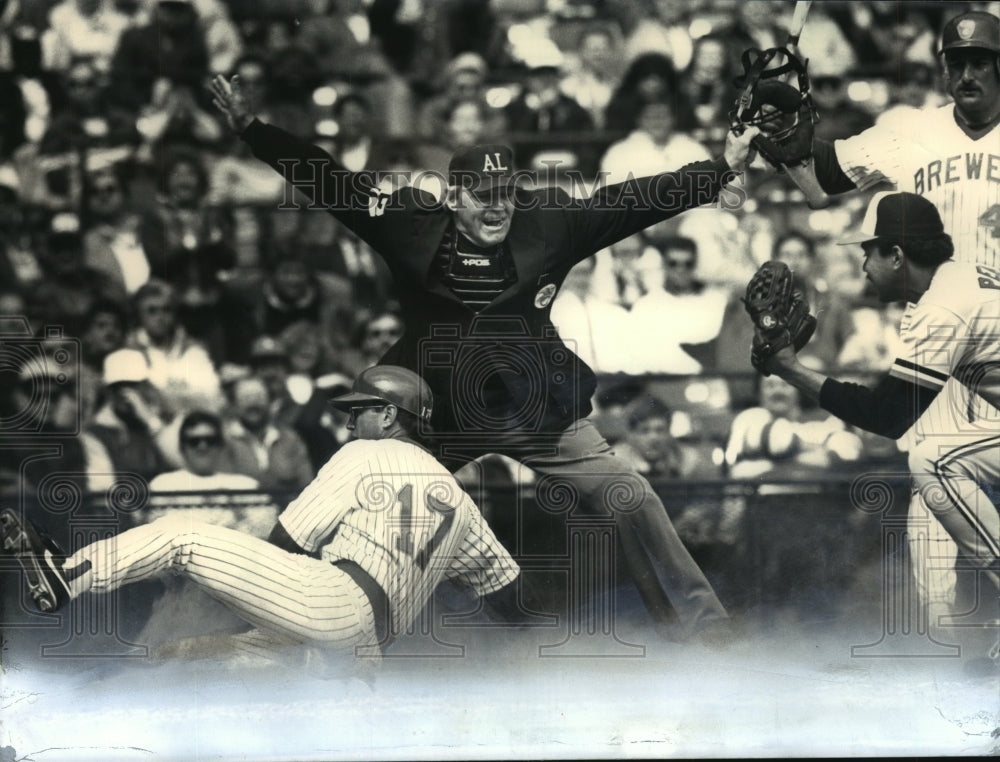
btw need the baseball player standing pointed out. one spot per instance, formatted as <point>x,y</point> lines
<point>349,564</point>
<point>950,330</point>
<point>476,276</point>
<point>951,156</point>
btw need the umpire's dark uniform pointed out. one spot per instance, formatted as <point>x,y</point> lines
<point>503,380</point>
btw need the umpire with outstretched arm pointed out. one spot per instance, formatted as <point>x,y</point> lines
<point>476,274</point>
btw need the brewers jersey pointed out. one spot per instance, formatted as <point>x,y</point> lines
<point>393,509</point>
<point>929,154</point>
<point>953,331</point>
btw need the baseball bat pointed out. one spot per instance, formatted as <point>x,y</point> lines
<point>798,21</point>
<point>804,174</point>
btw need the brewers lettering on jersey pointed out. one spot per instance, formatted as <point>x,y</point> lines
<point>951,156</point>
<point>349,564</point>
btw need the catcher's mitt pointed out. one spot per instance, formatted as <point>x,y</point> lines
<point>784,112</point>
<point>779,312</point>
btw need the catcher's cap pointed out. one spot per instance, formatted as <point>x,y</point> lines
<point>975,29</point>
<point>481,167</point>
<point>894,214</point>
<point>389,384</point>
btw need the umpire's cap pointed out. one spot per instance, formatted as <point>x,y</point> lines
<point>389,384</point>
<point>481,167</point>
<point>975,29</point>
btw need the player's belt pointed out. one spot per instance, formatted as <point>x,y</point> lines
<point>376,596</point>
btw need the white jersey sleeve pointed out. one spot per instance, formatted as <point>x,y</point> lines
<point>930,336</point>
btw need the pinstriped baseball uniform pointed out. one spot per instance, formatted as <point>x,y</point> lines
<point>929,154</point>
<point>953,331</point>
<point>389,506</point>
<point>402,517</point>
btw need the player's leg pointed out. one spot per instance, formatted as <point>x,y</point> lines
<point>294,595</point>
<point>951,485</point>
<point>663,569</point>
<point>932,559</point>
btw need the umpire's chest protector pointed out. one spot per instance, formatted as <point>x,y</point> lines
<point>504,367</point>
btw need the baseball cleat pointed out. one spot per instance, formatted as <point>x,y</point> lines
<point>40,558</point>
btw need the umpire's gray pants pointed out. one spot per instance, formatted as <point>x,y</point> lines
<point>664,572</point>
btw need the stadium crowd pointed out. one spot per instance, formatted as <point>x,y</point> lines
<point>132,223</point>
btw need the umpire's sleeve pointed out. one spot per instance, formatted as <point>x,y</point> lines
<point>352,197</point>
<point>617,211</point>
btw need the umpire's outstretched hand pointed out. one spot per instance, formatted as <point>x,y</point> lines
<point>228,97</point>
<point>738,148</point>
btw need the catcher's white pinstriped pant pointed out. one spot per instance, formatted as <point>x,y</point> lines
<point>300,598</point>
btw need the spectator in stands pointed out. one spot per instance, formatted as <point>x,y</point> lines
<point>653,147</point>
<point>68,287</point>
<point>543,108</point>
<point>686,313</point>
<point>626,271</point>
<point>188,245</point>
<point>111,241</point>
<point>180,222</point>
<point>781,438</point>
<point>179,367</point>
<point>295,401</point>
<point>175,115</point>
<point>293,292</point>
<point>661,27</point>
<point>355,145</point>
<point>201,445</point>
<point>52,459</point>
<point>650,77</point>
<point>256,446</point>
<point>129,422</point>
<point>464,79</point>
<point>87,29</point>
<point>706,84</point>
<point>19,265</point>
<point>466,125</point>
<point>222,37</point>
<point>340,38</point>
<point>83,116</point>
<point>595,71</point>
<point>653,451</point>
<point>180,62</point>
<point>591,325</point>
<point>840,117</point>
<point>101,333</point>
<point>372,339</point>
<point>255,74</point>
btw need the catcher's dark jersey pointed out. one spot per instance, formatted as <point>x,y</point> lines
<point>502,368</point>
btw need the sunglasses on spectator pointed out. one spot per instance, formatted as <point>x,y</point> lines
<point>687,264</point>
<point>377,332</point>
<point>204,441</point>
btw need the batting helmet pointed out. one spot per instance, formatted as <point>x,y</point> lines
<point>975,29</point>
<point>389,384</point>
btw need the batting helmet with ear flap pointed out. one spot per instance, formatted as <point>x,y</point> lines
<point>389,383</point>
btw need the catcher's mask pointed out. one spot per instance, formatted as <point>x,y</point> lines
<point>772,104</point>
